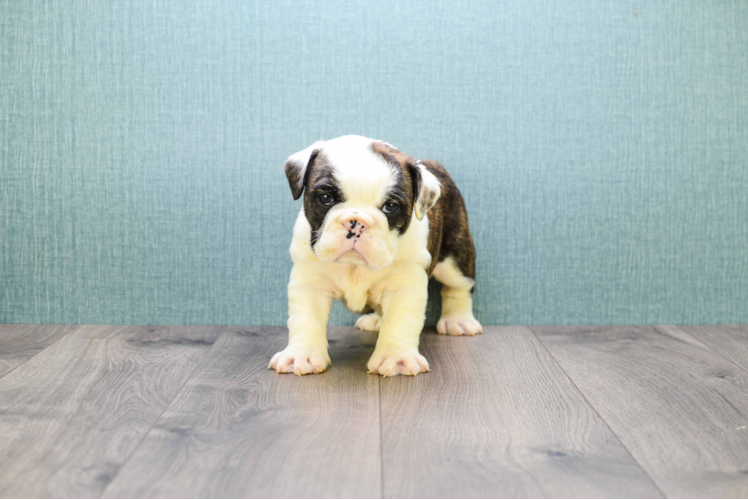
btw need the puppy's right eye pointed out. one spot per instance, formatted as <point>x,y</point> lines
<point>326,199</point>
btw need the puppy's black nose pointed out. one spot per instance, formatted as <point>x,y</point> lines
<point>356,223</point>
<point>355,228</point>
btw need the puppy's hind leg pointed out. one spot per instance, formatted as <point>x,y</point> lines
<point>370,322</point>
<point>457,300</point>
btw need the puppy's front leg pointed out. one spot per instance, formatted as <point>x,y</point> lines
<point>308,312</point>
<point>403,314</point>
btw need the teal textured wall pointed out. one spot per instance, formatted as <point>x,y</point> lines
<point>602,148</point>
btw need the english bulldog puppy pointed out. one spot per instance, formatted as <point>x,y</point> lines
<point>375,225</point>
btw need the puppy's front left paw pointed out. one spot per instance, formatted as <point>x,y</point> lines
<point>300,360</point>
<point>391,361</point>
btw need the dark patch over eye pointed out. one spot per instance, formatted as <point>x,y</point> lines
<point>327,199</point>
<point>322,192</point>
<point>390,207</point>
<point>398,210</point>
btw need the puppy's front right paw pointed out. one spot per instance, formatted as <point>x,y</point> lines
<point>391,361</point>
<point>300,360</point>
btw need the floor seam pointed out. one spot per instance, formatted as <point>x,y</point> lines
<point>381,442</point>
<point>35,355</point>
<point>589,403</point>
<point>709,347</point>
<point>145,435</point>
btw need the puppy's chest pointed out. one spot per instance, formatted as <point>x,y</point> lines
<point>356,288</point>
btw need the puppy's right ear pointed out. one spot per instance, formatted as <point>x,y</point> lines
<point>297,168</point>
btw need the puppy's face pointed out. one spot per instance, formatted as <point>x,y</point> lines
<point>360,197</point>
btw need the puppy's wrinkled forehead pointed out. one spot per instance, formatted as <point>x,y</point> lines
<point>360,169</point>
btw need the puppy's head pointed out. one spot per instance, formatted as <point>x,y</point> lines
<point>360,197</point>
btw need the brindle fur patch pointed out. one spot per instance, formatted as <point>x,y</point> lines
<point>319,179</point>
<point>294,171</point>
<point>405,189</point>
<point>449,232</point>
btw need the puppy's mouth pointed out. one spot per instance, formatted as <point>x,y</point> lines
<point>352,256</point>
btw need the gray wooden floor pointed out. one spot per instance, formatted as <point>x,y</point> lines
<point>137,411</point>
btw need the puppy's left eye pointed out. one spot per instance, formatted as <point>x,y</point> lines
<point>390,207</point>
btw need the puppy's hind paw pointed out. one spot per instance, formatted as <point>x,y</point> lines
<point>459,325</point>
<point>300,360</point>
<point>369,322</point>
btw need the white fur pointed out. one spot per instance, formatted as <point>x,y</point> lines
<point>385,269</point>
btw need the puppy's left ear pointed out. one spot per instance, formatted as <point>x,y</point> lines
<point>426,189</point>
<point>297,168</point>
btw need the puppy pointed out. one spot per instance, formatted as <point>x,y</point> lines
<point>375,225</point>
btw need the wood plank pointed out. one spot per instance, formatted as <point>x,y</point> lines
<point>496,417</point>
<point>680,408</point>
<point>71,415</point>
<point>731,341</point>
<point>19,343</point>
<point>238,429</point>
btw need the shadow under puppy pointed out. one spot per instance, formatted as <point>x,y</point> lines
<point>375,224</point>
